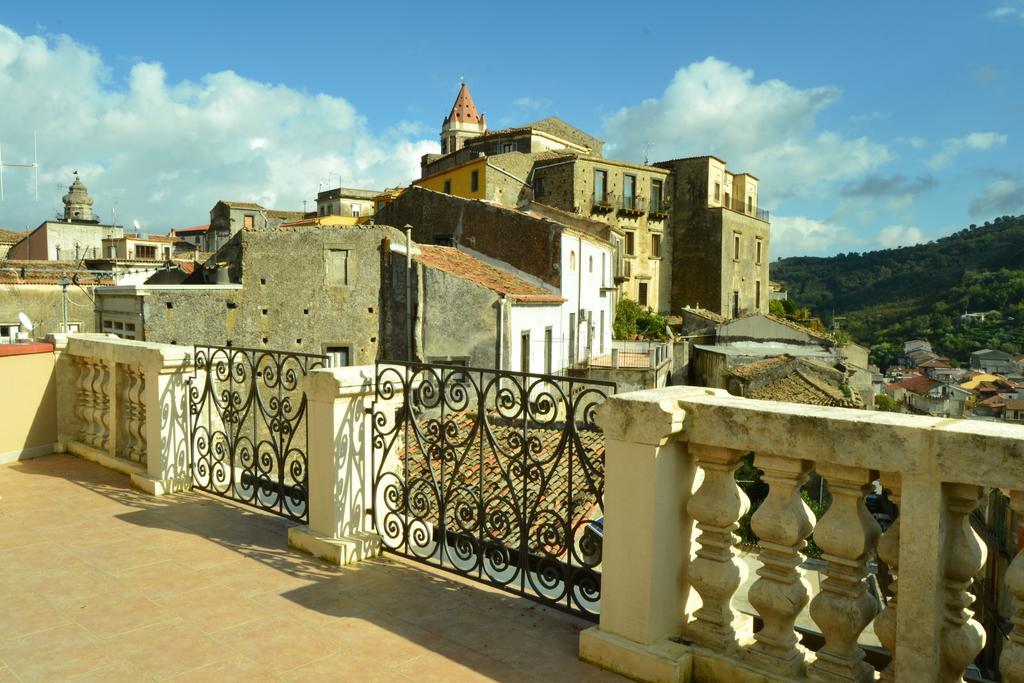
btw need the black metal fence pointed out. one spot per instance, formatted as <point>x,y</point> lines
<point>247,427</point>
<point>495,475</point>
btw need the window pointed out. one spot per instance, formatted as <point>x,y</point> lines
<point>735,304</point>
<point>337,266</point>
<point>247,220</point>
<point>630,243</point>
<point>758,252</point>
<point>572,338</point>
<point>629,191</point>
<point>356,209</point>
<point>718,191</point>
<point>524,351</point>
<point>572,260</point>
<point>590,263</point>
<point>655,246</point>
<point>506,147</point>
<point>447,187</point>
<point>757,295</point>
<point>735,246</point>
<point>338,356</point>
<point>549,344</point>
<point>474,181</point>
<point>641,293</point>
<point>656,188</point>
<point>750,205</point>
<point>538,187</point>
<point>167,253</point>
<point>145,251</point>
<point>600,186</point>
<point>600,338</point>
<point>10,330</point>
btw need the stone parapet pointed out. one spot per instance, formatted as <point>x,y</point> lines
<point>672,570</point>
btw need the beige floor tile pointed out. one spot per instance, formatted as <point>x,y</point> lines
<point>165,650</point>
<point>344,667</point>
<point>276,643</point>
<point>235,668</point>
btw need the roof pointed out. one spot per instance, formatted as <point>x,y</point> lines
<point>802,387</point>
<point>920,385</point>
<point>704,313</point>
<point>977,380</point>
<point>241,205</point>
<point>937,362</point>
<point>751,370</point>
<point>350,192</point>
<point>467,267</point>
<point>194,230</point>
<point>464,109</point>
<point>331,221</point>
<point>781,321</point>
<point>996,401</point>
<point>1015,404</point>
<point>284,215</point>
<point>10,236</point>
<point>561,129</point>
<point>991,352</point>
<point>46,273</point>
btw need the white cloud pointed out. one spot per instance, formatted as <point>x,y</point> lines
<point>1013,10</point>
<point>898,235</point>
<point>768,128</point>
<point>970,142</point>
<point>802,236</point>
<point>165,152</point>
<point>532,103</point>
<point>1004,196</point>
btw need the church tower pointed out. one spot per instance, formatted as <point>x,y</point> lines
<point>462,123</point>
<point>78,203</point>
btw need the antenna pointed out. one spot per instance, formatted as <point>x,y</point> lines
<point>34,166</point>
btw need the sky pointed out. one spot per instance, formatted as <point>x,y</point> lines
<point>870,125</point>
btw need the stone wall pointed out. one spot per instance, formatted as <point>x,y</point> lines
<point>42,304</point>
<point>530,244</point>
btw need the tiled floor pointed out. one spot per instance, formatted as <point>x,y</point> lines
<point>101,582</point>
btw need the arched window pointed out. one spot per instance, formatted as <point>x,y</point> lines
<point>572,260</point>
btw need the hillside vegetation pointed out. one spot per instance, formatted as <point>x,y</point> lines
<point>921,291</point>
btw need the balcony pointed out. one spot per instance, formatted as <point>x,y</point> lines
<point>632,206</point>
<point>603,203</point>
<point>659,210</point>
<point>737,205</point>
<point>104,580</point>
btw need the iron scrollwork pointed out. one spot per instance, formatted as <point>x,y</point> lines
<point>247,427</point>
<point>495,475</point>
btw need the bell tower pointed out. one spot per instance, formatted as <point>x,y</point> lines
<point>78,203</point>
<point>463,123</point>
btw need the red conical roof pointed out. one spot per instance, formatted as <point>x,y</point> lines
<point>464,110</point>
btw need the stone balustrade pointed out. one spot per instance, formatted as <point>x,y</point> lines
<point>124,404</point>
<point>672,569</point>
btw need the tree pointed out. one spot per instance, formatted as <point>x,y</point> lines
<point>631,320</point>
<point>886,403</point>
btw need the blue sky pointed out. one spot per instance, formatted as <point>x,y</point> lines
<point>869,124</point>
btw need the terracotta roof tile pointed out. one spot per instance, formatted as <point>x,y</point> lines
<point>194,230</point>
<point>461,264</point>
<point>464,109</point>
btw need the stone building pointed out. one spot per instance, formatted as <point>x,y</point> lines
<point>721,238</point>
<point>306,288</point>
<point>462,124</point>
<point>78,235</point>
<point>34,288</point>
<point>693,233</point>
<point>346,201</point>
<point>574,256</point>
<point>228,217</point>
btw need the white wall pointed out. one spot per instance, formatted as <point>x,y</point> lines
<point>535,319</point>
<point>581,287</point>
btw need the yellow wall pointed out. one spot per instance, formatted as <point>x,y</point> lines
<point>461,179</point>
<point>28,405</point>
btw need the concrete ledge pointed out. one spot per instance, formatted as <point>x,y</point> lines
<point>662,662</point>
<point>160,487</point>
<point>339,551</point>
<point>29,453</point>
<point>108,461</point>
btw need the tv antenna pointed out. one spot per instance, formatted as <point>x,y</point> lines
<point>34,166</point>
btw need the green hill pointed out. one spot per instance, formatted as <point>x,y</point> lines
<point>892,295</point>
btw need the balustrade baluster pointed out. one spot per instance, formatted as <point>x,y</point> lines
<point>717,572</point>
<point>84,393</point>
<point>889,552</point>
<point>1011,662</point>
<point>962,636</point>
<point>782,523</point>
<point>843,607</point>
<point>101,401</point>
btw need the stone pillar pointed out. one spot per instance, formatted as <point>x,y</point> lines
<point>648,479</point>
<point>340,465</point>
<point>962,636</point>
<point>717,572</point>
<point>1011,662</point>
<point>843,608</point>
<point>782,524</point>
<point>164,371</point>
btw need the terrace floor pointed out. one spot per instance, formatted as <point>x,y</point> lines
<point>101,582</point>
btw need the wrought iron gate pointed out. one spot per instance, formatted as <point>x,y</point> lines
<point>498,476</point>
<point>247,427</point>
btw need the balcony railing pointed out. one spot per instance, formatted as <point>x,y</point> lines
<point>633,205</point>
<point>604,203</point>
<point>668,594</point>
<point>739,206</point>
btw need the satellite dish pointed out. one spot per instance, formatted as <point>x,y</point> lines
<point>25,321</point>
<point>137,226</point>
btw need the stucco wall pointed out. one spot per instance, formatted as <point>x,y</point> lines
<point>28,405</point>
